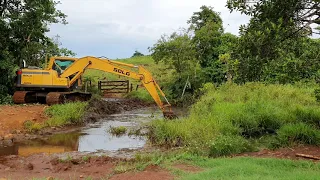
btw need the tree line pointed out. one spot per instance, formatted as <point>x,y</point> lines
<point>276,46</point>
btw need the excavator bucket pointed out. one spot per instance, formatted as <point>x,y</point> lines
<point>169,115</point>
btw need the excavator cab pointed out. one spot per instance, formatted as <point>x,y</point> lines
<point>60,64</point>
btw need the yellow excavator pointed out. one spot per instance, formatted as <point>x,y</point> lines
<point>61,81</point>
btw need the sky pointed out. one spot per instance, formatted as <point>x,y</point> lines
<point>116,28</point>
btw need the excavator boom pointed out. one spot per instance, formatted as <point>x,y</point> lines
<point>65,73</point>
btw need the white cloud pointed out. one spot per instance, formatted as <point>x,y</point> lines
<point>132,24</point>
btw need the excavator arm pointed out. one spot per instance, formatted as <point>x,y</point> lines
<point>75,71</point>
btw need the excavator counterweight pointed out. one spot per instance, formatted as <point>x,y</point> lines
<point>60,82</point>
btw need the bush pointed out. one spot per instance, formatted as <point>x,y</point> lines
<point>5,99</point>
<point>309,115</point>
<point>224,145</point>
<point>66,114</point>
<point>299,133</point>
<point>32,126</point>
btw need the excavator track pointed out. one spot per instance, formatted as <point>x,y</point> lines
<point>63,97</point>
<point>55,98</point>
<point>23,97</point>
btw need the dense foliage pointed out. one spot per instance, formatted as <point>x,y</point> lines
<point>199,54</point>
<point>274,47</point>
<point>23,28</point>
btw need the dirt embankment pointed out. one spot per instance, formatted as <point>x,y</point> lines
<point>12,119</point>
<point>288,153</point>
<point>40,166</point>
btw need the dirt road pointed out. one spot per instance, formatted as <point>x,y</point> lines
<point>13,117</point>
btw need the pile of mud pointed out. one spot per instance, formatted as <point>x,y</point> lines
<point>100,108</point>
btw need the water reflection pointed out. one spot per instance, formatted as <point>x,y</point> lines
<point>93,138</point>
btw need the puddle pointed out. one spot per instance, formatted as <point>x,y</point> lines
<point>94,137</point>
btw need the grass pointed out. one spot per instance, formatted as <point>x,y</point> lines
<point>226,168</point>
<point>229,119</point>
<point>254,168</point>
<point>247,168</point>
<point>141,94</point>
<point>31,126</point>
<point>66,114</point>
<point>118,131</point>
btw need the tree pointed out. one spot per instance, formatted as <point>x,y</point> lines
<point>210,42</point>
<point>23,28</point>
<point>206,15</point>
<point>137,54</point>
<point>178,52</point>
<point>175,50</point>
<point>272,45</point>
<point>302,12</point>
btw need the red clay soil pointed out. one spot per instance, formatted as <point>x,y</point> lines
<point>13,117</point>
<point>287,153</point>
<point>187,168</point>
<point>41,166</point>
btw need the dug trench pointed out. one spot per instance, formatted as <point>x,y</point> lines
<point>14,117</point>
<point>77,152</point>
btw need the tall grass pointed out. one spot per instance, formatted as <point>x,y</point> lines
<point>141,94</point>
<point>66,114</point>
<point>287,112</point>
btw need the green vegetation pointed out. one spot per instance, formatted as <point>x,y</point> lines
<point>60,115</point>
<point>235,118</point>
<point>254,168</point>
<point>224,168</point>
<point>32,126</point>
<point>141,94</point>
<point>137,54</point>
<point>66,114</point>
<point>118,131</point>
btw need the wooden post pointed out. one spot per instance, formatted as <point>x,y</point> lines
<point>128,88</point>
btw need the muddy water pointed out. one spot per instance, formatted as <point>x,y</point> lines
<point>92,138</point>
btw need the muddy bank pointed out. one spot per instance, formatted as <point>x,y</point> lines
<point>13,117</point>
<point>100,108</point>
<point>94,136</point>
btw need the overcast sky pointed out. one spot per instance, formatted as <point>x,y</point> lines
<point>116,28</point>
